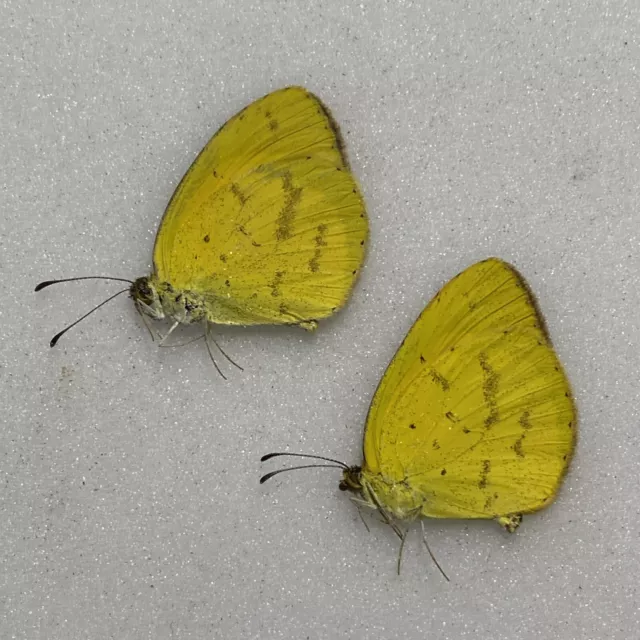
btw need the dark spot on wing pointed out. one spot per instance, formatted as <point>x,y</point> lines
<point>292,196</point>
<point>223,258</point>
<point>277,279</point>
<point>517,446</point>
<point>486,467</point>
<point>422,360</point>
<point>412,426</point>
<point>524,420</point>
<point>245,233</point>
<point>443,472</point>
<point>235,189</point>
<point>489,390</point>
<point>206,238</point>
<point>439,379</point>
<point>435,444</point>
<point>273,125</point>
<point>319,239</point>
<point>320,242</point>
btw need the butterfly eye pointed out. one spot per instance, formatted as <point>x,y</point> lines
<point>141,290</point>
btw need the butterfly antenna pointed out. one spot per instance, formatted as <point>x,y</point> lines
<point>48,283</point>
<point>303,455</point>
<point>426,544</point>
<point>215,364</point>
<point>57,337</point>
<point>304,466</point>
<point>208,336</point>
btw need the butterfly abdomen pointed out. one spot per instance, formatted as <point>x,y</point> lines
<point>183,306</point>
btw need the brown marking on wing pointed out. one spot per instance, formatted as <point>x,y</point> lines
<point>486,467</point>
<point>490,391</point>
<point>291,199</point>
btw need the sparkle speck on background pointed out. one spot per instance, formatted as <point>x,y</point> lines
<point>129,496</point>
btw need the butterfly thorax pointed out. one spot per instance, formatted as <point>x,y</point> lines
<point>396,499</point>
<point>160,300</point>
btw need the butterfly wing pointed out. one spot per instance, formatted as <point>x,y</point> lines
<point>474,414</point>
<point>268,223</point>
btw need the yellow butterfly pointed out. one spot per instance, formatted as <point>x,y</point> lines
<point>474,416</point>
<point>268,225</point>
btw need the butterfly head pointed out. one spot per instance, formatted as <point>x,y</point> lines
<point>147,298</point>
<point>351,480</point>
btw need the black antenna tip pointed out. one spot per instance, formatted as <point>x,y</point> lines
<point>54,340</point>
<point>44,284</point>
<point>268,457</point>
<point>269,475</point>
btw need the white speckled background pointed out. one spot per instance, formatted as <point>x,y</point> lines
<point>129,496</point>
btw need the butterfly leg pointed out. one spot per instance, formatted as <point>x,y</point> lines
<point>359,502</point>
<point>309,325</point>
<point>403,539</point>
<point>510,522</point>
<point>215,364</point>
<point>171,330</point>
<point>364,522</point>
<point>153,335</point>
<point>426,544</point>
<point>208,336</point>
